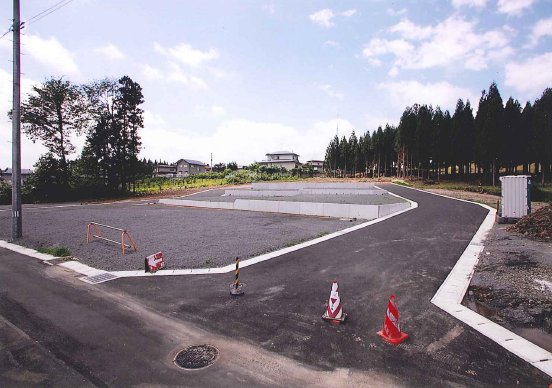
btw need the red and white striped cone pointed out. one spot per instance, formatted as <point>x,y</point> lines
<point>334,312</point>
<point>391,331</point>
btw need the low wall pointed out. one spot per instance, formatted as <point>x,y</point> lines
<point>290,193</point>
<point>337,210</point>
<point>310,185</point>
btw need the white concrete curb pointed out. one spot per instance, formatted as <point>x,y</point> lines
<point>267,256</point>
<point>86,270</point>
<point>449,298</point>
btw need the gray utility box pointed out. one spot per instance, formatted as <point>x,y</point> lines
<point>516,196</point>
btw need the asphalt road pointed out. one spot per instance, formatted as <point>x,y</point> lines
<point>126,332</point>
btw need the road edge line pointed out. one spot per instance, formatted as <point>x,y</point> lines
<point>451,292</point>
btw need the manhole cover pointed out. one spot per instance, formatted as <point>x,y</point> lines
<point>196,357</point>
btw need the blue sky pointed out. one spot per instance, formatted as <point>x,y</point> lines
<point>242,78</point>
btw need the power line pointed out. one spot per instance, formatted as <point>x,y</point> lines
<point>48,11</point>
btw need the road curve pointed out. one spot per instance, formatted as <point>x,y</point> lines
<point>125,332</point>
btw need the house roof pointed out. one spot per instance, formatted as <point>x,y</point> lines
<point>282,153</point>
<point>191,161</point>
<point>315,161</point>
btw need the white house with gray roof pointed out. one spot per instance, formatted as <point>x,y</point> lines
<point>187,167</point>
<point>285,159</point>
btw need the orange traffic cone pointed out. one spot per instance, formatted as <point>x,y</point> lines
<point>334,312</point>
<point>391,331</point>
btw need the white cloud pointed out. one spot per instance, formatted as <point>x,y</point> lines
<point>187,55</point>
<point>348,13</point>
<point>152,120</point>
<point>452,42</point>
<point>531,76</point>
<point>329,90</point>
<point>151,73</point>
<point>29,151</point>
<point>242,140</point>
<point>332,43</point>
<point>399,47</point>
<point>270,7</point>
<point>541,29</point>
<point>469,3</point>
<point>513,7</point>
<point>111,52</point>
<point>218,110</point>
<point>392,12</point>
<point>409,30</point>
<point>173,73</point>
<point>393,72</point>
<point>444,94</point>
<point>50,53</point>
<point>323,18</point>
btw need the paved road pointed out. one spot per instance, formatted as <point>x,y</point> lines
<point>126,332</point>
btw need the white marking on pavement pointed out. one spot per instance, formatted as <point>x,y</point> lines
<point>449,298</point>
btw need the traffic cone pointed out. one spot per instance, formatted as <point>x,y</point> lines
<point>334,312</point>
<point>391,331</point>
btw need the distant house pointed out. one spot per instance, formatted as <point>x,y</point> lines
<point>285,159</point>
<point>187,167</point>
<point>317,166</point>
<point>164,170</point>
<point>6,175</point>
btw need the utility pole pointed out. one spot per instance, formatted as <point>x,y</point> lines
<point>16,127</point>
<point>211,162</point>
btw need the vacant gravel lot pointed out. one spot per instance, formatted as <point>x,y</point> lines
<point>188,237</point>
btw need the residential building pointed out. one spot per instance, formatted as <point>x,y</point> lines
<point>285,159</point>
<point>187,167</point>
<point>164,170</point>
<point>6,175</point>
<point>317,166</point>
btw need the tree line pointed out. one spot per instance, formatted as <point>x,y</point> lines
<point>108,113</point>
<point>429,142</point>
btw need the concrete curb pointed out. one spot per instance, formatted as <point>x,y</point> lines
<point>449,298</point>
<point>267,256</point>
<point>86,270</point>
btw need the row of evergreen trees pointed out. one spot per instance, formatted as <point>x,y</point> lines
<point>430,141</point>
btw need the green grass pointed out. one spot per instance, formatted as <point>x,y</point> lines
<point>158,185</point>
<point>55,251</point>
<point>538,193</point>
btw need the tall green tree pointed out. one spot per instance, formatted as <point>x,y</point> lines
<point>54,112</point>
<point>489,124</point>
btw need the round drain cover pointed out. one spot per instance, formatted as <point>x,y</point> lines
<point>196,357</point>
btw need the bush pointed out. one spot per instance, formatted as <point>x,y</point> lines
<point>55,251</point>
<point>5,193</point>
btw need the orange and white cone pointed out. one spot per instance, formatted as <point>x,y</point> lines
<point>391,331</point>
<point>334,312</point>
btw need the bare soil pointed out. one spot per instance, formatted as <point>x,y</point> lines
<point>537,225</point>
<point>512,285</point>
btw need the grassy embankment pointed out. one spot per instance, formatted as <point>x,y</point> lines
<point>479,193</point>
<point>198,181</point>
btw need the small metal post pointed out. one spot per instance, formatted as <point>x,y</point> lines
<point>236,288</point>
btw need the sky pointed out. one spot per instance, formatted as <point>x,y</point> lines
<point>238,79</point>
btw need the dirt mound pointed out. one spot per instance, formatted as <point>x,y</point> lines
<point>536,225</point>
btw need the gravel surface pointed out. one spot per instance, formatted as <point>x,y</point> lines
<point>512,285</point>
<point>334,198</point>
<point>190,238</point>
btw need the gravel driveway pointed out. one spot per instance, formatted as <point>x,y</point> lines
<point>190,238</point>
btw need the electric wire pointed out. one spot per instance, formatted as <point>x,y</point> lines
<point>48,11</point>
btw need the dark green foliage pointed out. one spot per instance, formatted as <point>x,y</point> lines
<point>55,251</point>
<point>429,142</point>
<point>56,110</point>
